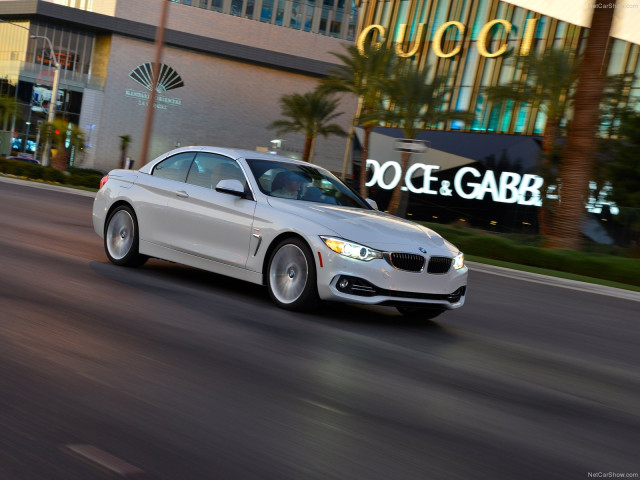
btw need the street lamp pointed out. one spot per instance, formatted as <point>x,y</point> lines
<point>54,88</point>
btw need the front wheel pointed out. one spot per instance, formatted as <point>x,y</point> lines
<point>121,238</point>
<point>291,276</point>
<point>420,313</point>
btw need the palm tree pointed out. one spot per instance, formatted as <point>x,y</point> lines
<point>125,140</point>
<point>64,137</point>
<point>8,108</point>
<point>546,84</point>
<point>415,104</point>
<point>577,166</point>
<point>363,76</point>
<point>308,113</point>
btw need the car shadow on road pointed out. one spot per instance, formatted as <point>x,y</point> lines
<point>165,279</point>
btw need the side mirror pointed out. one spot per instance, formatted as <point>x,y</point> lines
<point>232,187</point>
<point>372,203</point>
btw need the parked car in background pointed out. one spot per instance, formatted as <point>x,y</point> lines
<point>270,220</point>
<point>24,158</point>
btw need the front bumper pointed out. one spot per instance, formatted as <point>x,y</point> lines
<point>376,282</point>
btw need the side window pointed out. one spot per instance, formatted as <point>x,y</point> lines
<point>175,167</point>
<point>209,168</point>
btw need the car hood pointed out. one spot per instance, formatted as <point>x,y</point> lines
<point>372,228</point>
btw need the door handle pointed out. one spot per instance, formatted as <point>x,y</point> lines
<point>182,194</point>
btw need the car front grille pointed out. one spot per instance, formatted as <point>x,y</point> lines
<point>406,261</point>
<point>439,264</point>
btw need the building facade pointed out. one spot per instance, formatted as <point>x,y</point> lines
<point>485,171</point>
<point>223,74</point>
<point>226,64</point>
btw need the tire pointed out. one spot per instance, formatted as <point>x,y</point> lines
<point>421,313</point>
<point>291,276</point>
<point>121,238</point>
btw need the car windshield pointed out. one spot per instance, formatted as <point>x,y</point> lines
<point>303,182</point>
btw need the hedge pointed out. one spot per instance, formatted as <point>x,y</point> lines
<point>80,177</point>
<point>482,244</point>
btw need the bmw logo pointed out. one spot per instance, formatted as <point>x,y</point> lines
<point>422,249</point>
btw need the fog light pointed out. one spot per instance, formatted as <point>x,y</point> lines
<point>343,284</point>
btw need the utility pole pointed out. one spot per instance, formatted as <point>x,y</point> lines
<point>156,74</point>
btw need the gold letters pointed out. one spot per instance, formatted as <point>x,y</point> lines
<point>416,44</point>
<point>529,30</point>
<point>484,33</point>
<point>437,39</point>
<point>481,44</point>
<point>363,37</point>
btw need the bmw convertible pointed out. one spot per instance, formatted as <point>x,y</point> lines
<point>274,221</point>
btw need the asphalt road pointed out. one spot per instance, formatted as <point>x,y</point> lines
<point>167,372</point>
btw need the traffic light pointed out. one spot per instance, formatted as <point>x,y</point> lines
<point>57,132</point>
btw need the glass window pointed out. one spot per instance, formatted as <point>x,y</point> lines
<point>236,7</point>
<point>481,19</point>
<point>616,57</point>
<point>175,167</point>
<point>303,182</point>
<point>309,11</point>
<point>267,11</point>
<point>209,168</point>
<point>296,16</point>
<point>279,12</point>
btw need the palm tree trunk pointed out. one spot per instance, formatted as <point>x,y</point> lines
<point>545,214</point>
<point>577,166</point>
<point>394,203</point>
<point>61,160</point>
<point>364,191</point>
<point>307,149</point>
<point>312,149</point>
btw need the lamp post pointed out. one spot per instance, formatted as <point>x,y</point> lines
<point>54,88</point>
<point>54,97</point>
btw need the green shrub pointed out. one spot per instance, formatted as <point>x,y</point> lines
<point>488,245</point>
<point>52,175</point>
<point>84,177</point>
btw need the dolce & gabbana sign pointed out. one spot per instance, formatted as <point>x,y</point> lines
<point>468,183</point>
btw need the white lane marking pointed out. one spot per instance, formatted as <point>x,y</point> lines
<point>324,407</point>
<point>105,460</point>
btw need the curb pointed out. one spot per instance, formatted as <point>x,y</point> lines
<point>46,186</point>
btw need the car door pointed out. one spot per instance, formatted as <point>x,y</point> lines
<point>210,224</point>
<point>164,183</point>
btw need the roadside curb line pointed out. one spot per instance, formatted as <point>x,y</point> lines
<point>46,186</point>
<point>555,281</point>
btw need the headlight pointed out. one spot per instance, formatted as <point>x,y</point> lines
<point>458,261</point>
<point>350,249</point>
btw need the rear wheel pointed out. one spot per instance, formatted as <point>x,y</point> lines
<point>291,276</point>
<point>421,313</point>
<point>121,238</point>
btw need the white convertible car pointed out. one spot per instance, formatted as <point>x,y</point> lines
<point>286,224</point>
